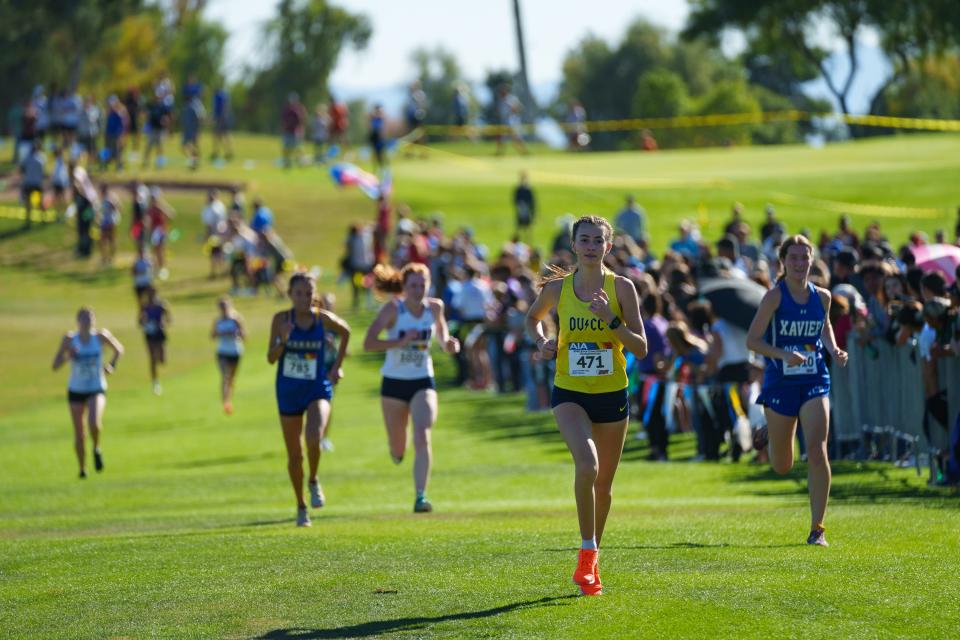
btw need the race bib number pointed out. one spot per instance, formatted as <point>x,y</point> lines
<point>412,357</point>
<point>87,369</point>
<point>298,367</point>
<point>588,360</point>
<point>808,367</point>
<point>151,327</point>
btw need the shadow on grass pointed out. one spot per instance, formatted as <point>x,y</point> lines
<point>855,483</point>
<point>59,264</point>
<point>14,232</point>
<point>684,545</point>
<point>502,417</point>
<point>399,625</point>
<point>267,523</point>
<point>223,460</point>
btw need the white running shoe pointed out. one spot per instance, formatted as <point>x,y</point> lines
<point>156,389</point>
<point>317,499</point>
<point>743,434</point>
<point>303,518</point>
<point>326,444</point>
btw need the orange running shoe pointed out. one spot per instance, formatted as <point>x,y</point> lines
<point>595,589</point>
<point>228,408</point>
<point>586,568</point>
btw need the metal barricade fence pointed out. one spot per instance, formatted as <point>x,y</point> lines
<point>878,401</point>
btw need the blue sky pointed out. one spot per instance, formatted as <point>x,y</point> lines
<point>480,34</point>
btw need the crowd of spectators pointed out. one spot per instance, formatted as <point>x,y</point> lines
<point>698,375</point>
<point>110,134</point>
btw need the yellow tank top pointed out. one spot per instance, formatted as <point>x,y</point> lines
<point>589,355</point>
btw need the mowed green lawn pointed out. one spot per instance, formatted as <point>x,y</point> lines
<point>189,532</point>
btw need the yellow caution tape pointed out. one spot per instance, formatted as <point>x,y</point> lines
<point>20,213</point>
<point>714,120</point>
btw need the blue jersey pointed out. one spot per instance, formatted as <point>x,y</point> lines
<point>797,327</point>
<point>153,319</point>
<point>301,371</point>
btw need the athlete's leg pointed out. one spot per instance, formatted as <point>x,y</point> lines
<point>231,376</point>
<point>781,430</point>
<point>318,412</point>
<point>423,409</point>
<point>76,416</point>
<point>95,407</point>
<point>292,427</point>
<point>814,414</point>
<point>608,438</point>
<point>396,414</point>
<point>152,352</point>
<point>576,428</point>
<point>222,366</point>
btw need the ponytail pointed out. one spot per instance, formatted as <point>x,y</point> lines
<point>389,280</point>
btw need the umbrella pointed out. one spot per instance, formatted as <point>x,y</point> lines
<point>736,300</point>
<point>943,257</point>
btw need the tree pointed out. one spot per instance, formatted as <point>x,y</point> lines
<point>907,29</point>
<point>661,93</point>
<point>604,79</point>
<point>439,74</point>
<point>523,81</point>
<point>48,41</point>
<point>131,54</point>
<point>726,97</point>
<point>493,81</point>
<point>651,74</point>
<point>929,88</point>
<point>302,45</point>
<point>197,49</point>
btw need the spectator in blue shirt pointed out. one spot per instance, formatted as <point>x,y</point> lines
<point>262,219</point>
<point>114,131</point>
<point>687,244</point>
<point>33,174</point>
<point>221,125</point>
<point>632,220</point>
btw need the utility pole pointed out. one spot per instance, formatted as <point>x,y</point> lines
<point>526,96</point>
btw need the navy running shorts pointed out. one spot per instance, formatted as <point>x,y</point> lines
<point>405,389</point>
<point>81,397</point>
<point>787,400</point>
<point>613,406</point>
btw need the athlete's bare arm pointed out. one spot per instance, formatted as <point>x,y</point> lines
<point>280,330</point>
<point>631,331</point>
<point>334,323</point>
<point>829,340</point>
<point>755,341</point>
<point>63,352</point>
<point>547,301</point>
<point>450,344</point>
<point>384,320</point>
<point>113,343</point>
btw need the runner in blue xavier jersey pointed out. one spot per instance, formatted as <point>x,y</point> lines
<point>304,384</point>
<point>791,329</point>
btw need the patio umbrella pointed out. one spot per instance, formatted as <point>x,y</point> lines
<point>734,299</point>
<point>944,257</point>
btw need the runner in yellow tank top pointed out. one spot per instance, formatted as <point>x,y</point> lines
<point>589,354</point>
<point>599,315</point>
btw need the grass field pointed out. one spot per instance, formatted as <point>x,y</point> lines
<point>189,532</point>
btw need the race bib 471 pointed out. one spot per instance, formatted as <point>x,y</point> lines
<point>589,359</point>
